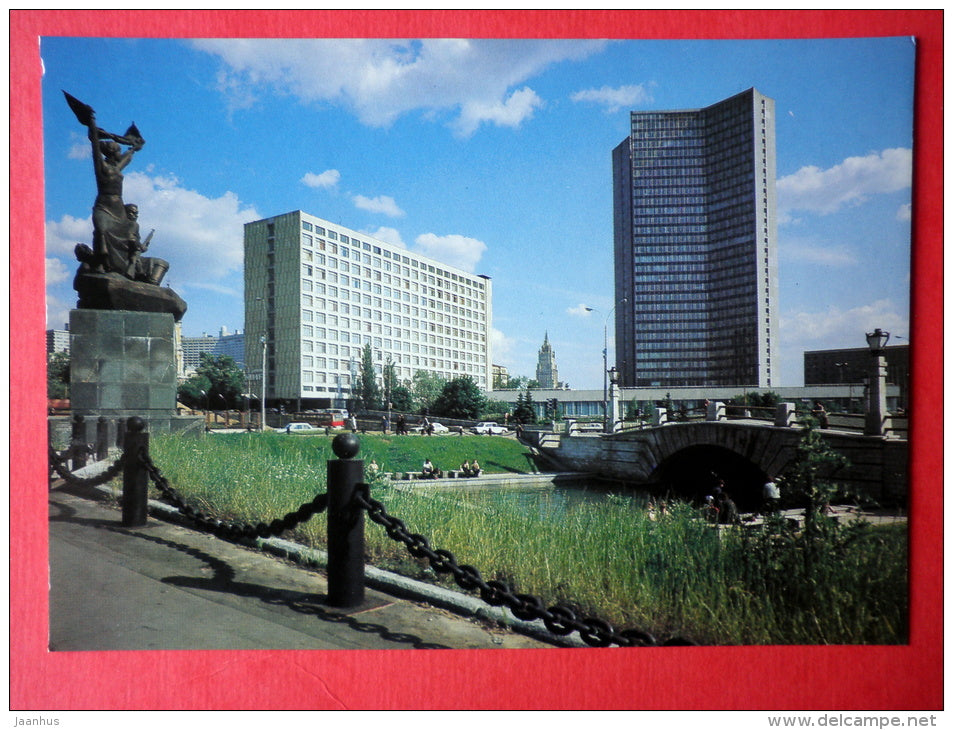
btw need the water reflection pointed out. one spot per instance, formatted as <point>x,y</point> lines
<point>554,502</point>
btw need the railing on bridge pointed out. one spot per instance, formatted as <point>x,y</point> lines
<point>781,415</point>
<point>347,498</point>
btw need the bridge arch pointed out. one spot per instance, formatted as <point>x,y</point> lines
<point>693,472</point>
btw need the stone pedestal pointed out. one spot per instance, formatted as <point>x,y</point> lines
<point>122,364</point>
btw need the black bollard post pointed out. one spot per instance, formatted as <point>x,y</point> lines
<point>120,433</point>
<point>78,443</point>
<point>135,478</point>
<point>102,439</point>
<point>345,524</point>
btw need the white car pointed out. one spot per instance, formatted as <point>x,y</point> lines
<point>300,428</point>
<point>437,428</point>
<point>491,428</point>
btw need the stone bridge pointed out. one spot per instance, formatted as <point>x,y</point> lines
<point>679,458</point>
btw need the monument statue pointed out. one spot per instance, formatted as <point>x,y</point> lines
<point>113,274</point>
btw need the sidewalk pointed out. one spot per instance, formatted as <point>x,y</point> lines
<point>164,586</point>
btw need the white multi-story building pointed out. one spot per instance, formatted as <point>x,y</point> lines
<point>232,345</point>
<point>57,340</point>
<point>316,293</point>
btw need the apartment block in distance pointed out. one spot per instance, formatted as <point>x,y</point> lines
<point>318,292</point>
<point>232,345</point>
<point>695,246</point>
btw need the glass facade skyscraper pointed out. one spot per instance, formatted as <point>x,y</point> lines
<point>695,246</point>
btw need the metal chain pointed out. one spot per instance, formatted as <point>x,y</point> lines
<point>57,463</point>
<point>231,530</point>
<point>560,620</point>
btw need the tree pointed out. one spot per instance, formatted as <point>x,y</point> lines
<point>401,399</point>
<point>226,378</point>
<point>524,411</point>
<point>426,387</point>
<point>460,398</point>
<point>810,477</point>
<point>390,380</point>
<point>369,392</point>
<point>194,391</point>
<point>217,383</point>
<point>769,399</point>
<point>57,375</point>
<point>496,409</point>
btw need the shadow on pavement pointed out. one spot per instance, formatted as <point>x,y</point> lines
<point>223,581</point>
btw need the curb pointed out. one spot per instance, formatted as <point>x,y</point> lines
<point>384,581</point>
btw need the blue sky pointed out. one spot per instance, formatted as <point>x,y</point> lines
<point>492,155</point>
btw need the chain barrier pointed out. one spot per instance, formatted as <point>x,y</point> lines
<point>57,462</point>
<point>231,530</point>
<point>559,620</point>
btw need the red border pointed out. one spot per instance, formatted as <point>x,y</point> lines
<point>761,678</point>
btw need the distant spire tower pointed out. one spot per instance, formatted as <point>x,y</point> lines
<point>546,374</point>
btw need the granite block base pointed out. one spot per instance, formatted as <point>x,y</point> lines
<point>122,364</point>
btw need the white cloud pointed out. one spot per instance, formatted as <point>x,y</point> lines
<point>381,204</point>
<point>460,251</point>
<point>380,80</point>
<point>833,328</point>
<point>905,212</point>
<point>837,328</point>
<point>57,312</point>
<point>849,183</point>
<point>326,179</point>
<point>80,149</point>
<point>388,235</point>
<point>56,271</point>
<point>63,235</point>
<point>614,99</point>
<point>509,112</point>
<point>580,310</point>
<point>502,347</point>
<point>820,254</point>
<point>201,237</point>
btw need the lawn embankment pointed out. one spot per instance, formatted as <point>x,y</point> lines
<point>672,576</point>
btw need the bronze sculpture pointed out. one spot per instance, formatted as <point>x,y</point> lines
<point>113,274</point>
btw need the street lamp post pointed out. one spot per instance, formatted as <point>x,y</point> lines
<point>877,403</point>
<point>612,424</point>
<point>264,378</point>
<point>605,364</point>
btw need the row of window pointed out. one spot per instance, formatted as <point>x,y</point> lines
<point>383,253</point>
<point>312,275</point>
<point>313,298</point>
<point>387,272</point>
<point>393,339</point>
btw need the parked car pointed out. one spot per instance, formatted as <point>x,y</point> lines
<point>300,428</point>
<point>437,428</point>
<point>491,428</point>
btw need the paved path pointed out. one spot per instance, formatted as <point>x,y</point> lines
<point>163,586</point>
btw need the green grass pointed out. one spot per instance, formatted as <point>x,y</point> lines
<point>673,576</point>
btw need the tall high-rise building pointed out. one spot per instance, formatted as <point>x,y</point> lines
<point>546,374</point>
<point>695,246</point>
<point>317,293</point>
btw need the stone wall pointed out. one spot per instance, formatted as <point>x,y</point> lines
<point>878,467</point>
